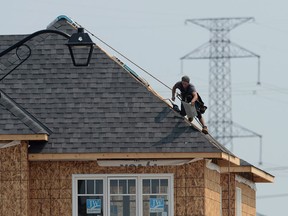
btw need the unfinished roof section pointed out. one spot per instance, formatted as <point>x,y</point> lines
<point>102,108</point>
<point>250,172</point>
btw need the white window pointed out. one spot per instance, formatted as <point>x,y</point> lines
<point>155,193</point>
<point>90,192</point>
<point>123,195</point>
<point>238,202</point>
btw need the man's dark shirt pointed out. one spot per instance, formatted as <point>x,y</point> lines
<point>186,94</point>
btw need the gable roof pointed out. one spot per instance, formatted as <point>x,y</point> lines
<point>103,108</point>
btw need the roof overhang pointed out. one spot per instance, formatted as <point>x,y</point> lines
<point>258,175</point>
<point>224,158</point>
<point>24,137</point>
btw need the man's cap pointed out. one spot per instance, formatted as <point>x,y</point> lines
<point>186,79</point>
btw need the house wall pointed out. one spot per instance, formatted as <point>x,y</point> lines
<point>45,188</point>
<point>248,199</point>
<point>195,186</point>
<point>228,194</point>
<point>14,183</point>
<point>189,189</point>
<point>248,196</point>
<point>212,192</point>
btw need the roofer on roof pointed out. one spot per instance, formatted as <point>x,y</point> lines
<point>189,94</point>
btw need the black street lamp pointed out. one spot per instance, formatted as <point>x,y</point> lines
<point>80,45</point>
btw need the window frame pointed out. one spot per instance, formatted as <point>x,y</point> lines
<point>139,195</point>
<point>109,194</point>
<point>75,194</point>
<point>151,193</point>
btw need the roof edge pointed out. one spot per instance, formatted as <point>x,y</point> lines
<point>23,115</point>
<point>24,137</point>
<point>229,158</point>
<point>127,156</point>
<point>259,175</point>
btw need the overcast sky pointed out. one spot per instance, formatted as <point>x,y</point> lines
<point>152,34</point>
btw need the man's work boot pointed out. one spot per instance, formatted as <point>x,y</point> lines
<point>205,129</point>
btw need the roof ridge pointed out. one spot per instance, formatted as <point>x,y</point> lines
<point>62,17</point>
<point>23,115</point>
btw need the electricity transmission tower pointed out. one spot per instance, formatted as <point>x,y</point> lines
<point>219,50</point>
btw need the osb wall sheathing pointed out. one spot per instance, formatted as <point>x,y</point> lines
<point>14,180</point>
<point>212,192</point>
<point>248,196</point>
<point>228,194</point>
<point>51,185</point>
<point>248,199</point>
<point>189,189</point>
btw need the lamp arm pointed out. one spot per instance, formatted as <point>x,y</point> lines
<point>22,60</point>
<point>18,44</point>
<point>22,43</point>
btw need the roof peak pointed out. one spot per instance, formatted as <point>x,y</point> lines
<point>63,17</point>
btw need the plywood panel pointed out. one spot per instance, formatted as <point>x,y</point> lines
<point>40,207</point>
<point>228,194</point>
<point>180,206</point>
<point>180,182</point>
<point>10,207</point>
<point>14,174</point>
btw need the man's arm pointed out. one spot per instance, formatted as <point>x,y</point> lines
<point>173,93</point>
<point>194,98</point>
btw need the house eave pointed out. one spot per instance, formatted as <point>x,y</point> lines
<point>130,156</point>
<point>259,176</point>
<point>24,137</point>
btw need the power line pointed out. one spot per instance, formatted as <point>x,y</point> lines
<point>277,168</point>
<point>272,196</point>
<point>138,66</point>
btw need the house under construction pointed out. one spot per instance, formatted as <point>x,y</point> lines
<point>98,140</point>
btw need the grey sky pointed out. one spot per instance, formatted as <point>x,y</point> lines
<point>152,33</point>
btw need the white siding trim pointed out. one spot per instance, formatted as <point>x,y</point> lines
<point>212,166</point>
<point>245,181</point>
<point>238,201</point>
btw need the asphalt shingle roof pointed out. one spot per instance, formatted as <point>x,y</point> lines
<point>100,108</point>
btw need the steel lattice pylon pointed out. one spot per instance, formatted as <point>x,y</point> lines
<point>219,50</point>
